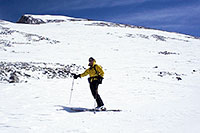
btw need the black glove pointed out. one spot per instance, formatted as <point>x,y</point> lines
<point>77,76</point>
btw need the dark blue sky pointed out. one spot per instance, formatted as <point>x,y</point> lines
<point>181,16</point>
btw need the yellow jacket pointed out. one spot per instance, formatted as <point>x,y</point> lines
<point>92,73</point>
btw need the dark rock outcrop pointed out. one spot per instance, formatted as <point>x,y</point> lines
<point>25,19</point>
<point>13,78</point>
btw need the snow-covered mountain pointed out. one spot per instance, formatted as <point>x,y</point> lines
<point>37,19</point>
<point>151,75</point>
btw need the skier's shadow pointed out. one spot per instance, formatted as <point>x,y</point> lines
<point>72,109</point>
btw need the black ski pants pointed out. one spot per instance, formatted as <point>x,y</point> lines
<point>94,89</point>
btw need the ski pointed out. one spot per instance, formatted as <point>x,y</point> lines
<point>107,110</point>
<point>96,110</point>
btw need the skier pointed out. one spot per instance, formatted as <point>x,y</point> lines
<point>96,76</point>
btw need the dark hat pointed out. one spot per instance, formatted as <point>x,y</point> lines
<point>91,59</point>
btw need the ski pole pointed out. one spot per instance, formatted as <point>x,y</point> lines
<point>71,91</point>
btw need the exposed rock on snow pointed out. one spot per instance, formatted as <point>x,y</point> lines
<point>15,72</point>
<point>11,37</point>
<point>159,38</point>
<point>171,74</point>
<point>109,24</point>
<point>34,19</point>
<point>13,78</point>
<point>167,53</point>
<point>30,20</point>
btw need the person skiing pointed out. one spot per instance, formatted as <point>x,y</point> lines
<point>96,74</point>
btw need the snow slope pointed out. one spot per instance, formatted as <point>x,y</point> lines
<point>152,76</point>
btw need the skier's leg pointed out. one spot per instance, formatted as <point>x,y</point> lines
<point>99,101</point>
<point>95,93</point>
<point>92,88</point>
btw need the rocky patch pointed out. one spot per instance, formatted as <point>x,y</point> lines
<point>171,74</point>
<point>17,72</point>
<point>159,38</point>
<point>143,36</point>
<point>9,37</point>
<point>30,20</point>
<point>196,71</point>
<point>167,53</point>
<point>109,24</point>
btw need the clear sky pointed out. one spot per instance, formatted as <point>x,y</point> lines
<point>181,16</point>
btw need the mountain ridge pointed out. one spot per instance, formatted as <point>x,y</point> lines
<point>42,19</point>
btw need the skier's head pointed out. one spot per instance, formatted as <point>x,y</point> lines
<point>91,61</point>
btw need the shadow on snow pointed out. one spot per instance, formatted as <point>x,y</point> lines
<point>74,109</point>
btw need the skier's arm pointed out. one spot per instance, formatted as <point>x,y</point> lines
<point>100,70</point>
<point>85,73</point>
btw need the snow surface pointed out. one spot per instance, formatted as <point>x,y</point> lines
<point>142,68</point>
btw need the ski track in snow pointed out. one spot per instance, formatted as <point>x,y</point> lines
<point>152,76</point>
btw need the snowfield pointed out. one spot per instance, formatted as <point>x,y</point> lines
<point>152,76</point>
